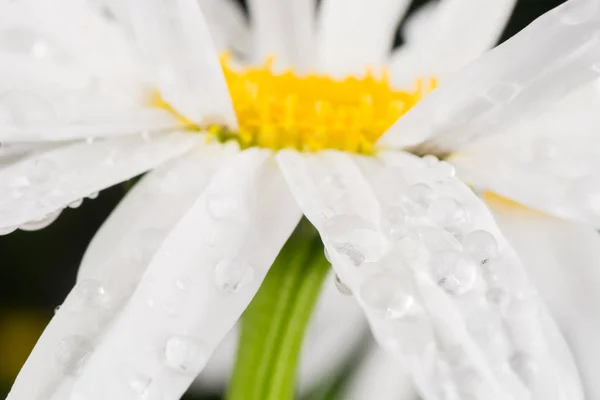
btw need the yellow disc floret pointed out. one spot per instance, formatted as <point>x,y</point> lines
<point>310,112</point>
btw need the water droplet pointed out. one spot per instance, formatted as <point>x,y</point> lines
<point>355,238</point>
<point>448,213</point>
<point>430,160</point>
<point>56,309</point>
<point>72,353</point>
<point>7,229</point>
<point>341,287</point>
<point>445,170</point>
<point>543,149</point>
<point>41,223</point>
<point>140,384</point>
<point>524,367</point>
<point>421,194</point>
<point>24,42</point>
<point>93,195</point>
<point>184,284</point>
<point>173,183</point>
<point>226,208</point>
<point>327,256</point>
<point>231,275</point>
<point>76,203</point>
<point>388,295</point>
<point>91,293</point>
<point>185,354</point>
<point>452,271</point>
<point>26,109</point>
<point>502,92</point>
<point>41,170</point>
<point>498,298</point>
<point>481,246</point>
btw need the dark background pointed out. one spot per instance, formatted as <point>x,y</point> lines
<point>37,269</point>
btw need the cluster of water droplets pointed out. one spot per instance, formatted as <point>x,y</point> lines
<point>445,291</point>
<point>42,174</point>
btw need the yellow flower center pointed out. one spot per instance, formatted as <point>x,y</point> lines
<point>309,112</point>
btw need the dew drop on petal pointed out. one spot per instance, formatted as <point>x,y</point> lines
<point>184,284</point>
<point>447,213</point>
<point>341,286</point>
<point>185,354</point>
<point>226,208</point>
<point>498,297</point>
<point>140,384</point>
<point>7,229</point>
<point>41,223</point>
<point>24,42</point>
<point>502,92</point>
<point>421,194</point>
<point>452,271</point>
<point>481,246</point>
<point>355,238</point>
<point>524,367</point>
<point>26,109</point>
<point>76,203</point>
<point>387,295</point>
<point>72,353</point>
<point>231,275</point>
<point>90,293</point>
<point>93,195</point>
<point>327,256</point>
<point>56,309</point>
<point>430,160</point>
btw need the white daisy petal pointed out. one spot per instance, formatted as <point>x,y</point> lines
<point>551,163</point>
<point>380,377</point>
<point>113,264</point>
<point>37,188</point>
<point>284,29</point>
<point>64,80</point>
<point>354,34</point>
<point>556,54</point>
<point>451,34</point>
<point>228,26</point>
<point>197,285</point>
<point>449,335</point>
<point>176,40</point>
<point>562,259</point>
<point>136,228</point>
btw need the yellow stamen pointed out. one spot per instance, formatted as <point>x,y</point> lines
<point>311,112</point>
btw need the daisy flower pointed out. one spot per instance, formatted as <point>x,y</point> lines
<point>243,149</point>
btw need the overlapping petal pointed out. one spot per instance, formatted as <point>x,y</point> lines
<point>111,269</point>
<point>228,27</point>
<point>431,40</point>
<point>176,41</point>
<point>452,323</point>
<point>553,56</point>
<point>284,29</point>
<point>68,73</point>
<point>36,189</point>
<point>204,275</point>
<point>562,259</point>
<point>354,34</point>
<point>550,163</point>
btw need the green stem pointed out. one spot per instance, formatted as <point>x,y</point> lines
<point>274,324</point>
